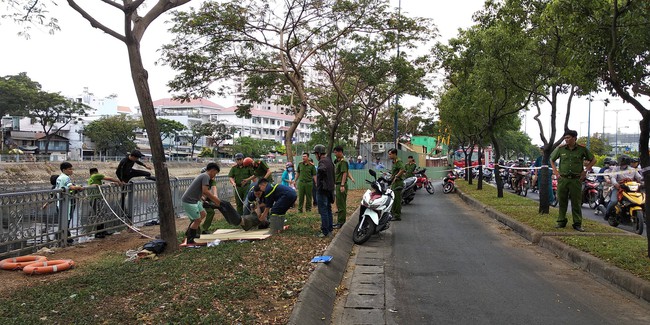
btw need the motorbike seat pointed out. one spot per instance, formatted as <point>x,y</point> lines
<point>410,181</point>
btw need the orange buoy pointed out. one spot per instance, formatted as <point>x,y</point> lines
<point>48,267</point>
<point>17,263</point>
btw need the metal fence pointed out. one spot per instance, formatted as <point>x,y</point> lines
<point>47,218</point>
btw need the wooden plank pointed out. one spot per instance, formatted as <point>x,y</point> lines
<point>237,234</point>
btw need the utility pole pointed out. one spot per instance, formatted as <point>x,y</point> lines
<point>395,124</point>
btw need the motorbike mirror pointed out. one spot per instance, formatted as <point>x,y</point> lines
<point>373,173</point>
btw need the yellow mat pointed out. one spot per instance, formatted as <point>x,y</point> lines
<point>234,234</point>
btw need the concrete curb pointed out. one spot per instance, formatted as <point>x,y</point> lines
<point>587,262</point>
<point>317,298</point>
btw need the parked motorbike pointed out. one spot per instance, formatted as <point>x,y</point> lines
<point>630,208</point>
<point>408,191</point>
<point>554,187</point>
<point>449,182</point>
<point>590,192</point>
<point>488,174</point>
<point>374,213</point>
<point>423,181</point>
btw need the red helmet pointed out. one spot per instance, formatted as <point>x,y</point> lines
<point>248,161</point>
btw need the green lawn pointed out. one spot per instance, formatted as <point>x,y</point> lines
<point>626,252</point>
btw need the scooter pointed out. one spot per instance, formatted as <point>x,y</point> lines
<point>408,191</point>
<point>374,213</point>
<point>449,183</point>
<point>423,181</point>
<point>630,208</point>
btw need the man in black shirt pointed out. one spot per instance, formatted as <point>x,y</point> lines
<point>125,169</point>
<point>324,189</point>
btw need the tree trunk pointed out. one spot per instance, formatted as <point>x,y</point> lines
<point>496,172</point>
<point>165,202</point>
<point>644,136</point>
<point>544,181</point>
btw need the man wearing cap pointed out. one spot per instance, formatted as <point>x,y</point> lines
<point>240,177</point>
<point>570,175</point>
<point>125,169</point>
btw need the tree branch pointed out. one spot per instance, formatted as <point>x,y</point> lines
<point>94,23</point>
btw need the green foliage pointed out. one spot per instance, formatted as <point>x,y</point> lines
<point>169,128</point>
<point>113,134</point>
<point>206,152</point>
<point>596,145</point>
<point>255,148</point>
<point>30,13</point>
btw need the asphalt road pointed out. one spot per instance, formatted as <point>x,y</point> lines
<point>448,264</point>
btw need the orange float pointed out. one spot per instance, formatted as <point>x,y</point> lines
<point>48,267</point>
<point>17,263</point>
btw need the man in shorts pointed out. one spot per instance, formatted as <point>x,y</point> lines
<point>192,203</point>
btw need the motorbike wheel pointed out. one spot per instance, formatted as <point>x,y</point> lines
<point>554,201</point>
<point>362,232</point>
<point>611,219</point>
<point>637,222</point>
<point>429,187</point>
<point>523,191</point>
<point>593,200</point>
<point>448,187</point>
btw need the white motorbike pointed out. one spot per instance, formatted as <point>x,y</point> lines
<point>374,214</point>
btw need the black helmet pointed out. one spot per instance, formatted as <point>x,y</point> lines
<point>635,160</point>
<point>624,160</point>
<point>319,149</point>
<point>239,155</point>
<point>607,161</point>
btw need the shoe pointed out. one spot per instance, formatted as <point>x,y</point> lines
<point>70,240</point>
<point>322,235</point>
<point>337,225</point>
<point>264,225</point>
<point>578,228</point>
<point>100,235</point>
<point>560,226</point>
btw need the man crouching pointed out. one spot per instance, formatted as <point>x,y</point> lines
<point>192,203</point>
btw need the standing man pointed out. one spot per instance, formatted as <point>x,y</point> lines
<point>570,176</point>
<point>192,203</point>
<point>324,190</point>
<point>64,182</point>
<point>341,171</point>
<point>306,177</point>
<point>397,183</point>
<point>97,179</point>
<point>378,165</point>
<point>240,177</point>
<point>410,167</point>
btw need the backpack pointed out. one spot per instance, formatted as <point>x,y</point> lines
<point>155,246</point>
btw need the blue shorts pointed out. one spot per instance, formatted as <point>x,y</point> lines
<point>193,210</point>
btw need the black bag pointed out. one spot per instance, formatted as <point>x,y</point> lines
<point>155,246</point>
<point>229,213</point>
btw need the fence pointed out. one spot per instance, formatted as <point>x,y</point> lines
<point>44,218</point>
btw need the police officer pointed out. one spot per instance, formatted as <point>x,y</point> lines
<point>240,176</point>
<point>306,177</point>
<point>261,170</point>
<point>341,171</point>
<point>397,183</point>
<point>410,167</point>
<point>570,175</point>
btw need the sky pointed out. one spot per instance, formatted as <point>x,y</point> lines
<point>80,56</point>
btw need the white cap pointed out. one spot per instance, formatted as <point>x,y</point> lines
<point>359,157</point>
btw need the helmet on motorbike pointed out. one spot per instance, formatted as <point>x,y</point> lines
<point>624,160</point>
<point>607,161</point>
<point>239,155</point>
<point>289,164</point>
<point>319,149</point>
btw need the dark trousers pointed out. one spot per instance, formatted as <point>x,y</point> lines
<point>283,204</point>
<point>325,210</point>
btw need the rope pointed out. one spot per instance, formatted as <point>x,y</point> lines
<point>118,217</point>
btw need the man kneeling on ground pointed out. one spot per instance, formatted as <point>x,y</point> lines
<point>276,199</point>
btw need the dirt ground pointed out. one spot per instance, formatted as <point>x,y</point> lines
<point>82,253</point>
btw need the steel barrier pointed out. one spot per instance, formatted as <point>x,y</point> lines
<point>34,219</point>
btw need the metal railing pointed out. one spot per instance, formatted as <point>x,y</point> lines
<point>47,218</point>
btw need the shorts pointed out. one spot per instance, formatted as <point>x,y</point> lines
<point>193,210</point>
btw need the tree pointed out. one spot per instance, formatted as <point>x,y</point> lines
<point>596,145</point>
<point>135,26</point>
<point>254,147</point>
<point>271,48</point>
<point>113,134</point>
<point>219,133</point>
<point>28,13</point>
<point>198,131</point>
<point>16,93</point>
<point>169,129</point>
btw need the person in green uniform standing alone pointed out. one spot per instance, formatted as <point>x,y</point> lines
<point>240,177</point>
<point>341,170</point>
<point>306,177</point>
<point>410,167</point>
<point>570,175</point>
<point>397,183</point>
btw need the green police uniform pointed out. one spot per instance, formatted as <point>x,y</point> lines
<point>306,173</point>
<point>261,170</point>
<point>209,212</point>
<point>239,174</point>
<point>341,167</point>
<point>398,183</point>
<point>569,186</point>
<point>410,170</point>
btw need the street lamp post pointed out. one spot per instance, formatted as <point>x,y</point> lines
<point>589,124</point>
